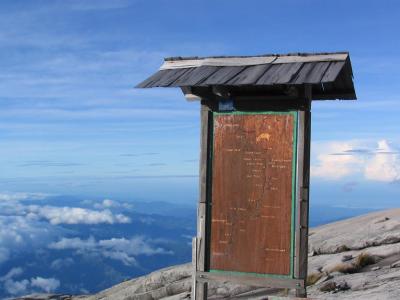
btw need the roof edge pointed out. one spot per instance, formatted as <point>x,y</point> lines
<point>238,61</point>
<point>173,58</point>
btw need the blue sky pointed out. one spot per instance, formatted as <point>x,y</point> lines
<point>72,123</point>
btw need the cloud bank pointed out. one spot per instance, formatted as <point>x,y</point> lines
<point>24,227</point>
<point>75,215</point>
<point>18,287</point>
<point>121,249</point>
<point>337,160</point>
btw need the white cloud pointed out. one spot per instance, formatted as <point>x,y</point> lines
<point>336,166</point>
<point>120,249</point>
<point>136,245</point>
<point>9,196</point>
<point>76,215</point>
<point>385,165</point>
<point>18,233</point>
<point>31,226</point>
<point>60,263</point>
<point>74,243</point>
<point>14,272</point>
<point>16,287</point>
<point>4,254</point>
<point>337,160</point>
<point>24,286</point>
<point>108,204</point>
<point>121,256</point>
<point>46,284</point>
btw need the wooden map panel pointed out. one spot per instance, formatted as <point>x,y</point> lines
<point>251,212</point>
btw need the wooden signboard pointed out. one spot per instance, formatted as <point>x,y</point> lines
<point>254,175</point>
<point>253,163</point>
<point>253,208</point>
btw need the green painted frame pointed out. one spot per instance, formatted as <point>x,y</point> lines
<point>210,156</point>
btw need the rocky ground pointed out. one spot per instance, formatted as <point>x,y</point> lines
<point>358,258</point>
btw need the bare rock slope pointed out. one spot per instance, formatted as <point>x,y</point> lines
<point>358,258</point>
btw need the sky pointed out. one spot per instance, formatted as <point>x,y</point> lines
<point>71,121</point>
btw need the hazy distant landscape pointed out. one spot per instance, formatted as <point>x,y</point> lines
<point>72,245</point>
<point>69,244</point>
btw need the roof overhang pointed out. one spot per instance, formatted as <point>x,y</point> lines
<point>328,74</point>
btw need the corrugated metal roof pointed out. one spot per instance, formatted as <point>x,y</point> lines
<point>330,74</point>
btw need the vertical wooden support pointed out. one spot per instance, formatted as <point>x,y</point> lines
<point>200,288</point>
<point>303,192</point>
<point>194,266</point>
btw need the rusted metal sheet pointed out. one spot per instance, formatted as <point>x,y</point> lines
<point>253,192</point>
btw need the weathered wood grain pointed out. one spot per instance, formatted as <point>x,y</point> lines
<point>201,287</point>
<point>333,71</point>
<point>153,80</point>
<point>249,60</point>
<point>303,193</point>
<point>251,280</point>
<point>172,76</point>
<point>249,76</point>
<point>223,75</point>
<point>195,76</point>
<point>317,72</point>
<point>194,267</point>
<point>252,193</point>
<point>279,74</point>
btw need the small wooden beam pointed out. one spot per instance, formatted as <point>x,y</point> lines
<point>303,190</point>
<point>189,94</point>
<point>201,260</point>
<point>194,266</point>
<point>251,280</point>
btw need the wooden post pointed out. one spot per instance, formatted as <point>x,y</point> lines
<point>194,267</point>
<point>303,192</point>
<point>200,288</point>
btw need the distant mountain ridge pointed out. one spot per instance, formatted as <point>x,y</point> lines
<point>357,258</point>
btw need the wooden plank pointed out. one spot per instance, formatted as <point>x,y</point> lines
<point>299,186</point>
<point>304,196</point>
<point>333,71</point>
<point>346,77</point>
<point>201,240</point>
<point>223,75</point>
<point>250,60</point>
<point>252,192</point>
<point>285,59</point>
<point>345,95</point>
<point>249,76</point>
<point>279,74</point>
<point>288,298</point>
<point>287,72</point>
<point>268,103</point>
<point>218,62</point>
<point>303,73</point>
<point>268,76</point>
<point>170,77</point>
<point>153,79</point>
<point>201,287</point>
<point>195,76</point>
<point>317,73</point>
<point>251,280</point>
<point>194,267</point>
